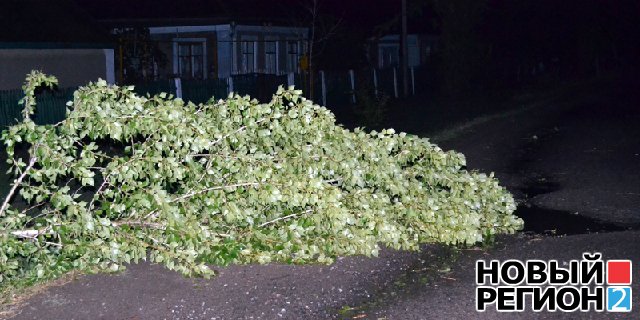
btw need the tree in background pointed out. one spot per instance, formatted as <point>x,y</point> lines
<point>323,26</point>
<point>463,55</point>
<point>139,56</point>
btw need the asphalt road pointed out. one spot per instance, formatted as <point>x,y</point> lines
<point>581,159</point>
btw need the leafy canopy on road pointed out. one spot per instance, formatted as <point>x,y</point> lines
<point>126,178</point>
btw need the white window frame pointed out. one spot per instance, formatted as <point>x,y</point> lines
<point>296,67</point>
<point>381,48</point>
<point>176,55</point>
<point>254,45</point>
<point>276,56</point>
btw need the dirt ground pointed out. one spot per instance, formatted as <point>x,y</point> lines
<point>580,158</point>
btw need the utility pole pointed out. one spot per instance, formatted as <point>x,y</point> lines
<point>404,59</point>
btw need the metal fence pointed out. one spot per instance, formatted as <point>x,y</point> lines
<point>152,88</point>
<point>201,91</point>
<point>51,106</point>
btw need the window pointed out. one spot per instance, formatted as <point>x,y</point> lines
<point>191,60</point>
<point>247,49</point>
<point>293,56</point>
<point>389,56</point>
<point>270,57</point>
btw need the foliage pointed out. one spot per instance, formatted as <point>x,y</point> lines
<point>371,107</point>
<point>140,54</point>
<point>463,54</point>
<point>126,178</point>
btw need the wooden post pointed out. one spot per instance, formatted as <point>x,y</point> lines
<point>413,81</point>
<point>324,88</point>
<point>291,80</point>
<point>404,60</point>
<point>229,85</point>
<point>395,83</point>
<point>352,77</point>
<point>178,84</point>
<point>121,58</point>
<point>375,82</point>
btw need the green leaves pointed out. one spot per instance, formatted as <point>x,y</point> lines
<point>231,181</point>
<point>34,80</point>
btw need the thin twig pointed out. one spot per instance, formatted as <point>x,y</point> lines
<point>32,207</point>
<point>194,193</point>
<point>152,213</point>
<point>52,243</point>
<point>100,189</point>
<point>151,225</point>
<point>236,131</point>
<point>285,217</point>
<point>5,204</point>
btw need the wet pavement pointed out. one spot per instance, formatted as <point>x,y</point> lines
<point>553,222</point>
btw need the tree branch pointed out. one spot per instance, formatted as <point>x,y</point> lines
<point>136,223</point>
<point>31,233</point>
<point>191,194</point>
<point>5,204</point>
<point>236,131</point>
<point>286,217</point>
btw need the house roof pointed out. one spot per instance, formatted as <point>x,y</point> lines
<point>361,17</point>
<point>45,23</point>
<point>153,13</point>
<point>156,13</point>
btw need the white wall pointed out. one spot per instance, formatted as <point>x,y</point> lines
<point>72,67</point>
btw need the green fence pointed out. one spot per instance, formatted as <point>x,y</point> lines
<point>386,83</point>
<point>154,87</point>
<point>196,91</point>
<point>50,106</point>
<point>50,109</point>
<point>259,86</point>
<point>200,91</point>
<point>9,108</point>
<point>338,86</point>
<point>334,89</point>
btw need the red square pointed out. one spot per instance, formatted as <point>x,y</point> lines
<point>619,272</point>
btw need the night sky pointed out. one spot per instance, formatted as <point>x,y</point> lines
<point>512,27</point>
<point>485,38</point>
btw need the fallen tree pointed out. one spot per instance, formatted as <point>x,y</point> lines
<point>126,178</point>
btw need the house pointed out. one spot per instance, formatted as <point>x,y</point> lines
<point>193,39</point>
<point>220,50</point>
<point>55,37</point>
<point>384,52</point>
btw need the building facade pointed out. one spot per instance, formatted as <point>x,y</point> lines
<point>219,51</point>
<point>73,65</point>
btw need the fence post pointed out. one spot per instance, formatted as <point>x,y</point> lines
<point>324,88</point>
<point>413,81</point>
<point>178,83</point>
<point>375,82</point>
<point>229,85</point>
<point>352,76</point>
<point>395,83</point>
<point>291,80</point>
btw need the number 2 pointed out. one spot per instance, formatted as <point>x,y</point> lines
<point>616,307</point>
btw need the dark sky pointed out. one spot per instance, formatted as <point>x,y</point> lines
<point>359,11</point>
<point>512,28</point>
